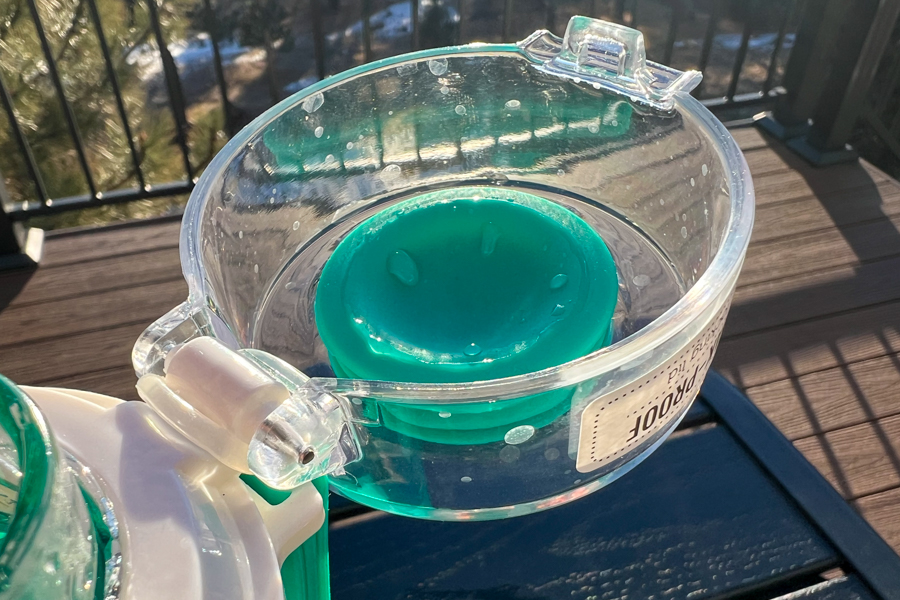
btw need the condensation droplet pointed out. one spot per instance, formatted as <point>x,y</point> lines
<point>357,401</point>
<point>684,217</point>
<point>390,172</point>
<point>693,183</point>
<point>289,285</point>
<point>403,267</point>
<point>460,109</point>
<point>577,481</point>
<point>558,310</point>
<point>641,280</point>
<point>472,350</point>
<point>296,225</point>
<point>271,200</point>
<point>437,66</point>
<point>256,268</point>
<point>349,145</point>
<point>596,85</point>
<point>319,131</point>
<point>466,479</point>
<point>240,235</point>
<point>560,172</point>
<point>390,113</point>
<point>684,232</point>
<point>313,103</point>
<point>489,238</point>
<point>662,202</point>
<point>513,104</point>
<point>510,454</point>
<point>559,281</point>
<point>593,128</point>
<point>704,169</point>
<point>444,415</point>
<point>445,90</point>
<point>519,434</point>
<point>551,453</point>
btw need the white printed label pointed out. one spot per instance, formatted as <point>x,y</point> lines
<point>616,423</point>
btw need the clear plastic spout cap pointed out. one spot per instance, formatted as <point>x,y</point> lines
<point>251,411</point>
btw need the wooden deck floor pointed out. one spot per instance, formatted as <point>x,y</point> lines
<point>813,337</point>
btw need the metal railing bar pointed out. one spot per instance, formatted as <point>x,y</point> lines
<point>117,92</point>
<point>173,87</point>
<point>68,114</point>
<point>28,156</point>
<point>740,58</point>
<point>708,36</point>
<point>21,212</point>
<point>507,20</point>
<point>748,99</point>
<point>318,38</point>
<point>673,32</point>
<point>779,40</point>
<point>212,28</point>
<point>414,5</point>
<point>619,11</point>
<point>894,75</point>
<point>367,30</point>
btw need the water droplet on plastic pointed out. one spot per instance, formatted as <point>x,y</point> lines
<point>510,454</point>
<point>684,217</point>
<point>558,310</point>
<point>240,235</point>
<point>641,280</point>
<point>489,238</point>
<point>256,268</point>
<point>319,131</point>
<point>614,123</point>
<point>513,104</point>
<point>560,172</point>
<point>519,434</point>
<point>704,169</point>
<point>662,202</point>
<point>289,285</point>
<point>296,225</point>
<point>593,128</point>
<point>460,109</point>
<point>356,401</point>
<point>390,113</point>
<point>466,479</point>
<point>472,350</point>
<point>684,232</point>
<point>349,145</point>
<point>693,183</point>
<point>577,481</point>
<point>445,90</point>
<point>313,103</point>
<point>403,267</point>
<point>390,172</point>
<point>596,85</point>
<point>437,66</point>
<point>551,453</point>
<point>444,415</point>
<point>559,281</point>
<point>271,200</point>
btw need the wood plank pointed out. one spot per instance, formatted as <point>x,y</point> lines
<point>89,312</point>
<point>114,241</point>
<point>813,213</point>
<point>90,277</point>
<point>781,186</point>
<point>859,460</point>
<point>751,138</point>
<point>829,400</point>
<point>880,510</point>
<point>57,358</point>
<point>818,250</point>
<point>810,346</point>
<point>777,303</point>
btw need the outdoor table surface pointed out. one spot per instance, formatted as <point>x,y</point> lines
<point>726,508</point>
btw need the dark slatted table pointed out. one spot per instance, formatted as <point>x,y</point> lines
<point>726,508</point>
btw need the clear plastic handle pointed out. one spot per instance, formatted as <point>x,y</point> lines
<point>609,56</point>
<point>250,410</point>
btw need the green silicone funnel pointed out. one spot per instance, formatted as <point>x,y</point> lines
<point>466,284</point>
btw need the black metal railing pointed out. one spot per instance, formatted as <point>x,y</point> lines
<point>741,46</point>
